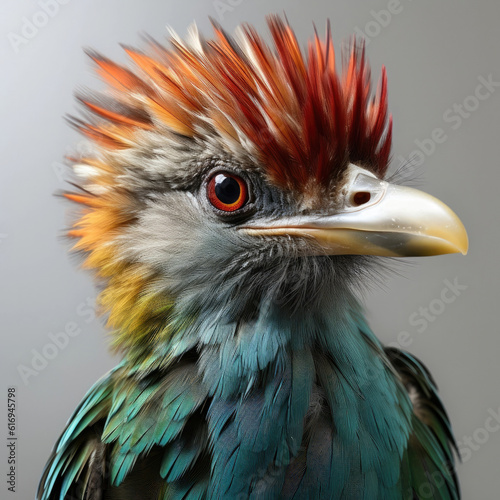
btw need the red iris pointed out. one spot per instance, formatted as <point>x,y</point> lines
<point>227,192</point>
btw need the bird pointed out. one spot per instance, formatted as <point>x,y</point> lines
<point>233,206</point>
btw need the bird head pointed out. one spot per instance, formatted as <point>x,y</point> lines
<point>228,174</point>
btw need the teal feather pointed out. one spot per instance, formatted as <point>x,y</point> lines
<point>263,429</point>
<point>191,490</point>
<point>177,459</point>
<point>78,443</point>
<point>329,418</point>
<point>121,465</point>
<point>166,404</point>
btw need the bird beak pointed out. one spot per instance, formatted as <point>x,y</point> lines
<point>375,218</point>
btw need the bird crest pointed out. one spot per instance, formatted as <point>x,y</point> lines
<point>291,110</point>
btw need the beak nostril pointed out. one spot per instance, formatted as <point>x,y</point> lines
<point>361,197</point>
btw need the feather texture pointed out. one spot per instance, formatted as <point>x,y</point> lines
<point>317,426</point>
<point>249,370</point>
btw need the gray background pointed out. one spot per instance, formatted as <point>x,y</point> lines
<point>434,52</point>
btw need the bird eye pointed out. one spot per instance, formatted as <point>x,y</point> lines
<point>227,192</point>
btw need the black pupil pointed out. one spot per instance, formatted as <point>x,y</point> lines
<point>227,189</point>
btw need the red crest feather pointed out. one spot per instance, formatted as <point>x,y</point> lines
<point>292,111</point>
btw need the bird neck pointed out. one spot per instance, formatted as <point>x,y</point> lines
<point>289,364</point>
<point>236,355</point>
<point>322,367</point>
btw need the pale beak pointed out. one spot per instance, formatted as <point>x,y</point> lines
<point>375,218</point>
